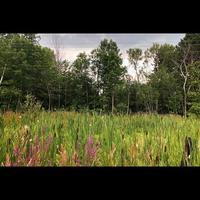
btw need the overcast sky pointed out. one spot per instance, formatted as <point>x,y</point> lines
<point>72,44</point>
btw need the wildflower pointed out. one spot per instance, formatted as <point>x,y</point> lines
<point>30,140</point>
<point>37,144</point>
<point>90,140</point>
<point>63,156</point>
<point>26,128</point>
<point>91,149</point>
<point>48,141</point>
<point>20,117</point>
<point>16,151</point>
<point>76,159</point>
<point>8,162</point>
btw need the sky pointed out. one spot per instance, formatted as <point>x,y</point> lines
<point>72,44</point>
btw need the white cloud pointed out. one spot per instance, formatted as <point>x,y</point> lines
<point>73,44</point>
<point>71,53</point>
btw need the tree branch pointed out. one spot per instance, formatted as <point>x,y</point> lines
<point>2,76</point>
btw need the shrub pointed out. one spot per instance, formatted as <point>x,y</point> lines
<point>31,104</point>
<point>195,109</point>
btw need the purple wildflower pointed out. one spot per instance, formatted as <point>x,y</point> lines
<point>47,143</point>
<point>37,144</point>
<point>16,151</point>
<point>90,141</point>
<point>91,149</point>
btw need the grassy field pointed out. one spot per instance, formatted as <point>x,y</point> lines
<point>75,139</point>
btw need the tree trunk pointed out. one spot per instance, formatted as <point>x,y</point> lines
<point>2,76</point>
<point>59,97</point>
<point>184,99</point>
<point>49,95</point>
<point>49,101</point>
<point>156,105</point>
<point>136,102</point>
<point>65,97</point>
<point>112,102</point>
<point>87,97</point>
<point>128,103</point>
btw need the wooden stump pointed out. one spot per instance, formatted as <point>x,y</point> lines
<point>186,158</point>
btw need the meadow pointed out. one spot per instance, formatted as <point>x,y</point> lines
<point>87,139</point>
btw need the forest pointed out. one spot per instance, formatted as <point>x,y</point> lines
<point>98,81</point>
<point>92,112</point>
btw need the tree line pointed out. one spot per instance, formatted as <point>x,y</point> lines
<point>99,81</point>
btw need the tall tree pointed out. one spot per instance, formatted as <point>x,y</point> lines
<point>154,50</point>
<point>107,63</point>
<point>182,65</point>
<point>194,92</point>
<point>81,70</point>
<point>56,41</point>
<point>134,56</point>
<point>128,81</point>
<point>27,66</point>
<point>34,38</point>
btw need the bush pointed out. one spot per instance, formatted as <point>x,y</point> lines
<point>121,108</point>
<point>195,109</point>
<point>31,104</point>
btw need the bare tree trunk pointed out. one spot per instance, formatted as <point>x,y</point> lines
<point>112,102</point>
<point>185,75</point>
<point>2,76</point>
<point>184,98</point>
<point>137,75</point>
<point>184,87</point>
<point>136,71</point>
<point>56,41</point>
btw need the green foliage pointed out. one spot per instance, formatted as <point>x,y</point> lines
<point>169,96</point>
<point>28,68</point>
<point>83,139</point>
<point>134,55</point>
<point>98,81</point>
<point>191,40</point>
<point>31,104</point>
<point>107,67</point>
<point>194,91</point>
<point>195,109</point>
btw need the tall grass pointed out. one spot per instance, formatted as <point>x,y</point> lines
<point>83,139</point>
